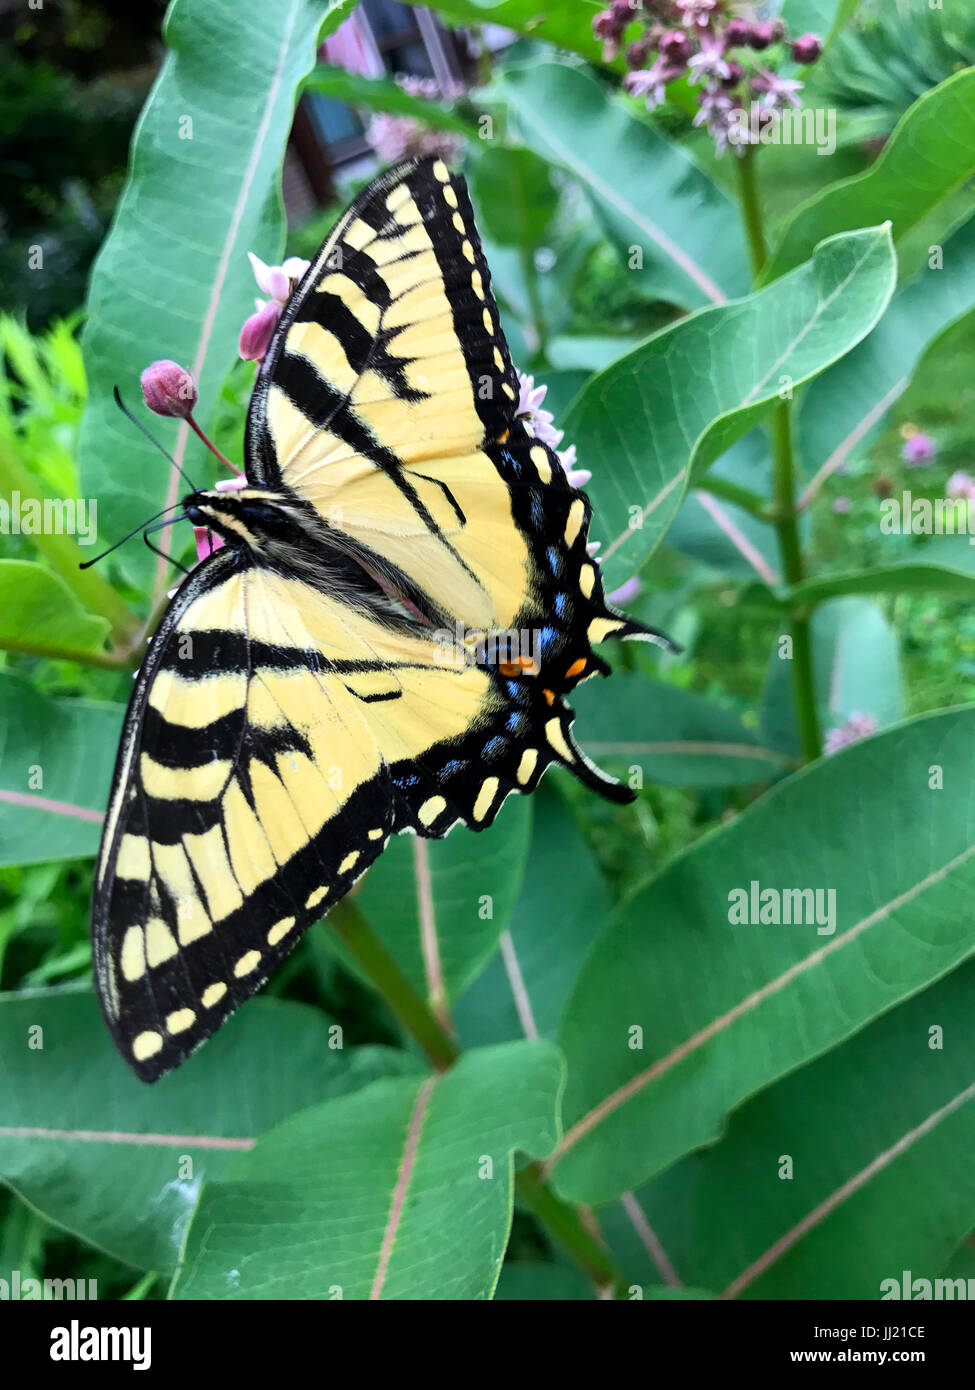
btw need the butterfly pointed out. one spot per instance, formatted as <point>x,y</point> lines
<point>384,643</point>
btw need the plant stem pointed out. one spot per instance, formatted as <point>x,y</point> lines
<point>793,570</point>
<point>564,1224</point>
<point>560,1219</point>
<point>534,296</point>
<point>406,1003</point>
<point>783,456</point>
<point>751,209</point>
<point>752,502</point>
<point>65,555</point>
<point>109,661</point>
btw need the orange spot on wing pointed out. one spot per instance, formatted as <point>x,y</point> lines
<point>576,668</point>
<point>521,666</point>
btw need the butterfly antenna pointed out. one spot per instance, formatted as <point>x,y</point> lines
<point>86,564</point>
<point>155,549</point>
<point>152,439</point>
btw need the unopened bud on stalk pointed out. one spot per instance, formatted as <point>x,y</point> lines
<point>169,389</point>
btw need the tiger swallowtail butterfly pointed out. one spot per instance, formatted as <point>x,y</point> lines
<point>299,702</point>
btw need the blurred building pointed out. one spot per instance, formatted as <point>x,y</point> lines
<point>381,38</point>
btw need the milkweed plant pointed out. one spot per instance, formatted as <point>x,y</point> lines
<point>696,1046</point>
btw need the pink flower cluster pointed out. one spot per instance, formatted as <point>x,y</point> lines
<point>859,725</point>
<point>961,485</point>
<point>705,41</point>
<point>396,137</point>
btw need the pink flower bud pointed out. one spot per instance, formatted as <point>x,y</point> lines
<point>169,389</point>
<point>638,53</point>
<point>807,48</point>
<point>762,34</point>
<point>675,46</point>
<point>256,334</point>
<point>737,33</point>
<point>919,448</point>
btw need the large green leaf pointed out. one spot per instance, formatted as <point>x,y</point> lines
<point>856,666</point>
<point>566,23</point>
<point>172,279</point>
<point>671,734</point>
<point>514,194</point>
<point>531,1280</point>
<point>440,905</point>
<point>686,229</point>
<point>121,1163</point>
<point>674,405</point>
<point>383,94</point>
<point>523,990</point>
<point>56,759</point>
<point>823,17</point>
<point>401,1191</point>
<point>929,155</point>
<point>589,351</point>
<point>39,614</point>
<point>907,578</point>
<point>725,1009</point>
<point>719,534</point>
<point>842,409</point>
<point>879,1134</point>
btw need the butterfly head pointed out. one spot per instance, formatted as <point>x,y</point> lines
<point>252,517</point>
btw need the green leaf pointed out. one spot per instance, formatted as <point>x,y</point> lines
<point>856,666</point>
<point>878,1133</point>
<point>172,279</point>
<point>725,1009</point>
<point>672,407</point>
<point>908,578</point>
<point>673,735</point>
<point>591,350</point>
<point>440,905</point>
<point>383,94</point>
<point>673,218</point>
<point>68,746</point>
<point>120,1163</point>
<point>531,1280</point>
<point>514,195</point>
<point>562,389</point>
<point>364,1197</point>
<point>823,17</point>
<point>928,156</point>
<point>844,408</point>
<point>523,989</point>
<point>721,535</point>
<point>39,614</point>
<point>565,23</point>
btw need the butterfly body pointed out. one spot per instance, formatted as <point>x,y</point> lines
<point>384,643</point>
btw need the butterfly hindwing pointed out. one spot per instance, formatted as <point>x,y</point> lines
<point>230,828</point>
